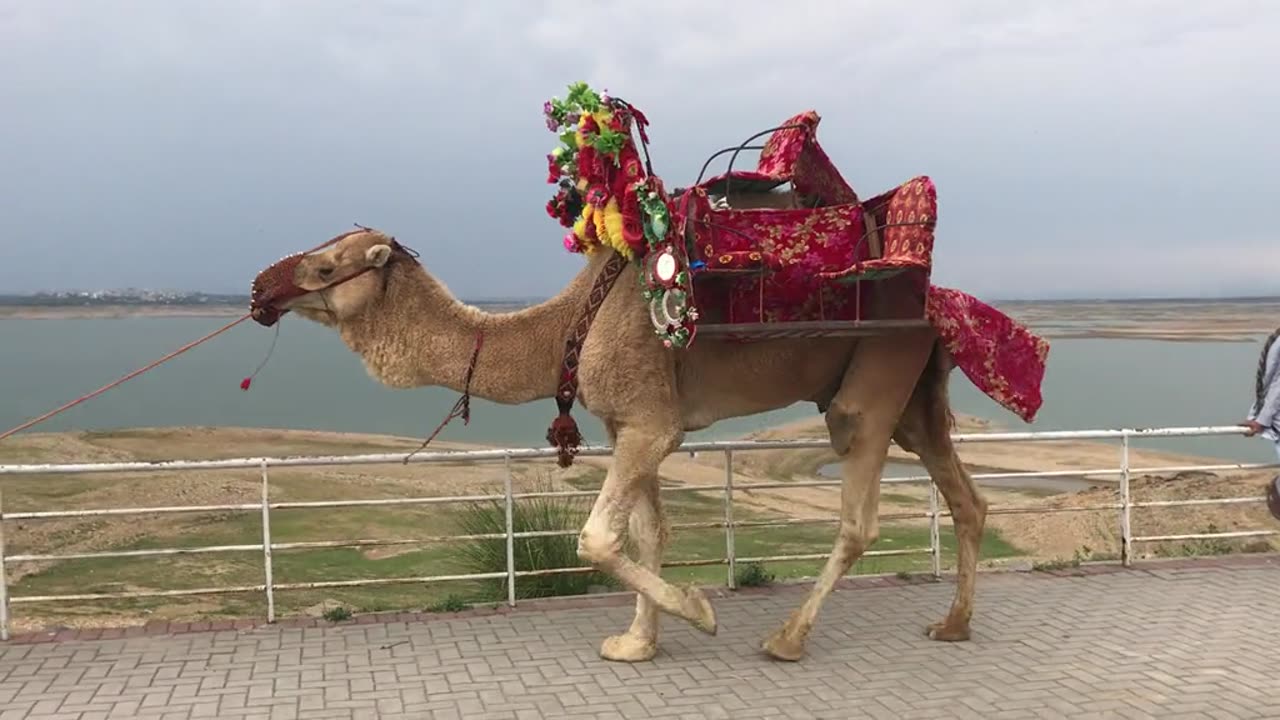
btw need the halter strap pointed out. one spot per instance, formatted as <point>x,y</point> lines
<point>563,433</point>
<point>461,408</point>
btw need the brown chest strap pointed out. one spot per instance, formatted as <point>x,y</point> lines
<point>563,433</point>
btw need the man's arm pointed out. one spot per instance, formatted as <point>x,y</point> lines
<point>1270,409</point>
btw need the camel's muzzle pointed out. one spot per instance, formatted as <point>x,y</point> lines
<point>273,287</point>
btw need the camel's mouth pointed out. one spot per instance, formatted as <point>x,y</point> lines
<point>272,288</point>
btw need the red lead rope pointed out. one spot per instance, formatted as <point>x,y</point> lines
<point>126,378</point>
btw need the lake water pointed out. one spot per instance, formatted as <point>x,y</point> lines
<point>314,382</point>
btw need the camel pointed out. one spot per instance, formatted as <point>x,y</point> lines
<point>411,332</point>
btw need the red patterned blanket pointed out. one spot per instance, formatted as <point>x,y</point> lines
<point>1000,356</point>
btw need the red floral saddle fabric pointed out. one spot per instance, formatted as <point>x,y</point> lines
<point>778,265</point>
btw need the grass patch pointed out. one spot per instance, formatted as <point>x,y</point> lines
<point>901,499</point>
<point>1208,547</point>
<point>813,539</point>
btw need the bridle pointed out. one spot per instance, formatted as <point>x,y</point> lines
<point>294,291</point>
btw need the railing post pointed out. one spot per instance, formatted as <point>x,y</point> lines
<point>1126,530</point>
<point>729,551</point>
<point>935,545</point>
<point>267,569</point>
<point>4,583</point>
<point>511,540</point>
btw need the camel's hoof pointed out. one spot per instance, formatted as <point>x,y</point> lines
<point>699,611</point>
<point>628,648</point>
<point>944,632</point>
<point>781,646</point>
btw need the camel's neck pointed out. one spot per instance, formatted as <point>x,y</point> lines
<point>419,334</point>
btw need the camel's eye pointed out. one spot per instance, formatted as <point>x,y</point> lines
<point>325,273</point>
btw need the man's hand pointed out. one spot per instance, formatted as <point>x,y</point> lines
<point>1252,428</point>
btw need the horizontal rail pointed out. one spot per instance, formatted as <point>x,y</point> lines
<point>1207,536</point>
<point>134,553</point>
<point>743,487</point>
<point>471,456</point>
<point>135,594</point>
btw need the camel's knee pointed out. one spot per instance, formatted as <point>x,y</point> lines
<point>969,511</point>
<point>856,537</point>
<point>598,548</point>
<point>842,426</point>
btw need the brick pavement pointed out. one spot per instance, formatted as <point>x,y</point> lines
<point>1169,640</point>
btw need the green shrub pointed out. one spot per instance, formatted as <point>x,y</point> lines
<point>337,614</point>
<point>532,553</point>
<point>451,604</point>
<point>754,575</point>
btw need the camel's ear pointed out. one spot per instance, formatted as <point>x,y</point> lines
<point>378,255</point>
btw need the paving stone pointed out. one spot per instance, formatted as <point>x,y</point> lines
<point>1192,639</point>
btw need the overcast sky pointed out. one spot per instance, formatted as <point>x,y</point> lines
<point>1084,148</point>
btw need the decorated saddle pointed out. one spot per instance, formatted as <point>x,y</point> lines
<point>736,257</point>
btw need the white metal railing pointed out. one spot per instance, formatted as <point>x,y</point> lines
<point>934,513</point>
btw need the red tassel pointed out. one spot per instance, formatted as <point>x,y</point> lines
<point>564,436</point>
<point>244,384</point>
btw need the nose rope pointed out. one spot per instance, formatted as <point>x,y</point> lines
<point>244,384</point>
<point>126,378</point>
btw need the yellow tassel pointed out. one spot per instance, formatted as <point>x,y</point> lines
<point>602,230</point>
<point>580,226</point>
<point>613,221</point>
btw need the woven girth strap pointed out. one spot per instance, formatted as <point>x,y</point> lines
<point>563,433</point>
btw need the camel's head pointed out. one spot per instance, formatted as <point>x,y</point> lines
<point>330,283</point>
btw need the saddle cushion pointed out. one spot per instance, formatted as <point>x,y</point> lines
<point>790,249</point>
<point>792,154</point>
<point>795,155</point>
<point>906,217</point>
<point>806,257</point>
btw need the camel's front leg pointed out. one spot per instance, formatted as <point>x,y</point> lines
<point>636,457</point>
<point>876,387</point>
<point>649,533</point>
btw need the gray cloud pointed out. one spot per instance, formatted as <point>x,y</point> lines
<point>1091,148</point>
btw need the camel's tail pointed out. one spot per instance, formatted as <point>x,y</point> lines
<point>934,384</point>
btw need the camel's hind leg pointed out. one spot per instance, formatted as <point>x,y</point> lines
<point>876,387</point>
<point>925,429</point>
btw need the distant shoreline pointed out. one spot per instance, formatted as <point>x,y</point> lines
<point>82,312</point>
<point>1171,320</point>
